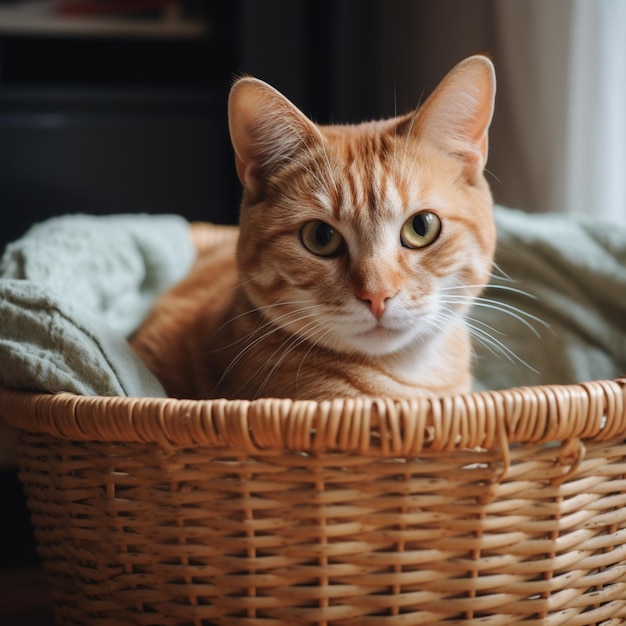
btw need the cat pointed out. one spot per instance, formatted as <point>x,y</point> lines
<point>359,252</point>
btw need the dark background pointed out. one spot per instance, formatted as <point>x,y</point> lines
<point>115,123</point>
<point>111,123</point>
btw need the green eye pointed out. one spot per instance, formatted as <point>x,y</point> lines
<point>420,230</point>
<point>320,238</point>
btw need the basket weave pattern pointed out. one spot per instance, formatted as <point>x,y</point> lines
<point>491,508</point>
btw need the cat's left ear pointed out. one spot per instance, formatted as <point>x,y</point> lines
<point>266,130</point>
<point>457,115</point>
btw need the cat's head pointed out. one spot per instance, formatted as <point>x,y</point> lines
<point>367,238</point>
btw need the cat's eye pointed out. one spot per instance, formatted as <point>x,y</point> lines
<point>420,230</point>
<point>321,239</point>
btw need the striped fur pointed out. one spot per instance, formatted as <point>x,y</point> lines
<point>375,318</point>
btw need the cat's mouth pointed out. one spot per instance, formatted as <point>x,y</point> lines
<point>391,333</point>
<point>381,338</point>
<point>379,330</point>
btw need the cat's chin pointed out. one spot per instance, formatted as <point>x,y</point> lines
<point>380,341</point>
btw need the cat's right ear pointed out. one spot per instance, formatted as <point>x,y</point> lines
<point>457,115</point>
<point>266,130</point>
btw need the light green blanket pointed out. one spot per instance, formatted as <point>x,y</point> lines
<point>73,288</point>
<point>71,291</point>
<point>571,325</point>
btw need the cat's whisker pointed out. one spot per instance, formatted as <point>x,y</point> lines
<point>444,321</point>
<point>522,316</point>
<point>487,171</point>
<point>291,343</point>
<point>317,176</point>
<point>313,345</point>
<point>504,307</point>
<point>243,283</point>
<point>507,288</point>
<point>329,170</point>
<point>272,323</point>
<point>255,278</point>
<point>519,314</point>
<point>395,131</point>
<point>501,275</point>
<point>254,311</point>
<point>497,347</point>
<point>482,332</point>
<point>281,352</point>
<point>273,330</point>
<point>250,337</point>
<point>510,289</point>
<point>286,348</point>
<point>307,169</point>
<point>240,355</point>
<point>405,153</point>
<point>484,324</point>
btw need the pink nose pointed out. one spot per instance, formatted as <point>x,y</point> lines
<point>376,301</point>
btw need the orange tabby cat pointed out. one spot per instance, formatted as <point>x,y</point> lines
<point>359,252</point>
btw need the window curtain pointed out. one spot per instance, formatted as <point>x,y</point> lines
<point>595,145</point>
<point>560,144</point>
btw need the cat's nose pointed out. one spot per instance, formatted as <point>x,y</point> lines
<point>377,301</point>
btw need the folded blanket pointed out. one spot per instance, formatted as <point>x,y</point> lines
<point>73,288</point>
<point>567,322</point>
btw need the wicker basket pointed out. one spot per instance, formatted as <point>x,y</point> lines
<point>502,507</point>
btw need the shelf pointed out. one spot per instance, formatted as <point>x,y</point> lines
<point>35,18</point>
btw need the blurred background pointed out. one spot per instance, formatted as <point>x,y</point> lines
<point>120,107</point>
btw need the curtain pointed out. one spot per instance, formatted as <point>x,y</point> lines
<point>560,144</point>
<point>595,146</point>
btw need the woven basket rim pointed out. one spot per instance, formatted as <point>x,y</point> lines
<point>383,426</point>
<point>594,410</point>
